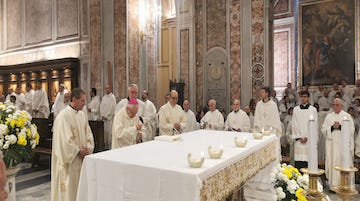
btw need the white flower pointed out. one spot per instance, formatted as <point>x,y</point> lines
<point>303,181</point>
<point>292,186</point>
<point>279,190</point>
<point>1,142</point>
<point>2,129</point>
<point>7,137</point>
<point>12,139</point>
<point>6,145</point>
<point>281,195</point>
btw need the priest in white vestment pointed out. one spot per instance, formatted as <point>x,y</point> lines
<point>62,105</point>
<point>300,134</point>
<point>331,128</point>
<point>267,114</point>
<point>20,99</point>
<point>237,120</point>
<point>133,91</point>
<point>94,106</point>
<point>190,117</point>
<point>29,99</point>
<point>41,102</point>
<point>10,93</point>
<point>72,141</point>
<point>107,110</point>
<point>247,110</point>
<point>172,119</point>
<point>324,101</point>
<point>59,97</point>
<point>213,119</point>
<point>149,116</point>
<point>127,128</point>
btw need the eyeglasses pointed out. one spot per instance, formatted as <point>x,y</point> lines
<point>174,98</point>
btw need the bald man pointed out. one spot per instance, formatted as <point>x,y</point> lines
<point>172,119</point>
<point>213,119</point>
<point>107,109</point>
<point>237,120</point>
<point>133,92</point>
<point>331,128</point>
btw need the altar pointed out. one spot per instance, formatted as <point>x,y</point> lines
<point>158,170</point>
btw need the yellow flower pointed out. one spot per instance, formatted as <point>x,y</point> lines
<point>12,123</point>
<point>37,138</point>
<point>20,122</point>
<point>300,194</point>
<point>22,140</point>
<point>28,132</point>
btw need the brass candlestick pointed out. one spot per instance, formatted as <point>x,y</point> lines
<point>344,191</point>
<point>313,194</point>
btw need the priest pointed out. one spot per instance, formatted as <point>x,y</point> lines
<point>237,120</point>
<point>62,105</point>
<point>127,128</point>
<point>172,119</point>
<point>300,136</point>
<point>59,98</point>
<point>107,109</point>
<point>29,99</point>
<point>72,141</point>
<point>331,128</point>
<point>190,116</point>
<point>267,113</point>
<point>213,119</point>
<point>41,102</point>
<point>133,91</point>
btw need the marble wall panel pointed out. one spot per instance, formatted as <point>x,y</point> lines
<point>257,40</point>
<point>14,23</point>
<point>281,58</point>
<point>120,88</point>
<point>38,13</point>
<point>84,17</point>
<point>215,24</point>
<point>67,18</point>
<point>95,45</point>
<point>199,33</point>
<point>235,50</point>
<point>184,60</point>
<point>283,8</point>
<point>133,20</point>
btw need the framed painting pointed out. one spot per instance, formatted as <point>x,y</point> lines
<point>327,43</point>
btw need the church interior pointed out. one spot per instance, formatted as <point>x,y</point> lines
<point>203,49</point>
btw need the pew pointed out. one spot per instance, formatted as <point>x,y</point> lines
<point>44,127</point>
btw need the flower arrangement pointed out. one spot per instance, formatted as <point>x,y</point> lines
<point>18,137</point>
<point>289,183</point>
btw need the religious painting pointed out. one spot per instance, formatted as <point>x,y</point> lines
<point>327,42</point>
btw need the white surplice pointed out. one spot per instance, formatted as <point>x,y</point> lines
<point>168,116</point>
<point>149,118</point>
<point>299,123</point>
<point>41,103</point>
<point>333,146</point>
<point>59,107</point>
<point>107,109</point>
<point>236,120</point>
<point>124,129</point>
<point>213,118</point>
<point>29,99</point>
<point>125,101</point>
<point>266,116</point>
<point>94,107</point>
<point>71,133</point>
<point>20,101</point>
<point>58,100</point>
<point>191,121</point>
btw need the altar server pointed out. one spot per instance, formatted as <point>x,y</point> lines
<point>213,119</point>
<point>237,120</point>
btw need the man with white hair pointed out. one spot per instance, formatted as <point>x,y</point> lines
<point>107,109</point>
<point>190,116</point>
<point>172,119</point>
<point>133,91</point>
<point>127,128</point>
<point>331,128</point>
<point>237,120</point>
<point>213,119</point>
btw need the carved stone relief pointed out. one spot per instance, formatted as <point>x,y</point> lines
<point>216,77</point>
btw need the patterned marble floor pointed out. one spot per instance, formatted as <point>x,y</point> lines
<point>33,184</point>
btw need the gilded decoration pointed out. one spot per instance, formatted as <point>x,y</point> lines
<point>222,184</point>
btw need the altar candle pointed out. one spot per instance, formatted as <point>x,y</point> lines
<point>345,143</point>
<point>313,152</point>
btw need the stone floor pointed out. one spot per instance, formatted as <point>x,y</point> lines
<point>33,184</point>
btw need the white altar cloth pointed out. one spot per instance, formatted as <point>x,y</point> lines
<point>159,171</point>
